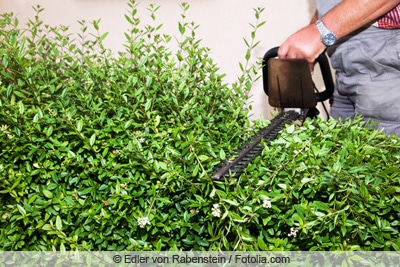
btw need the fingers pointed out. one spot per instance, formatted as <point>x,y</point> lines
<point>290,52</point>
<point>283,51</point>
<point>305,43</point>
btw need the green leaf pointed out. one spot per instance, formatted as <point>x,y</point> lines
<point>222,154</point>
<point>236,217</point>
<point>261,244</point>
<point>204,157</point>
<point>92,139</point>
<point>47,193</point>
<point>290,129</point>
<point>21,107</point>
<point>182,28</point>
<point>79,125</point>
<point>49,131</point>
<point>163,165</point>
<point>147,106</point>
<point>103,36</point>
<point>157,121</point>
<point>232,202</point>
<point>149,81</point>
<point>128,124</point>
<point>320,205</point>
<point>58,223</point>
<point>5,61</point>
<point>21,210</point>
<point>245,236</point>
<point>47,227</point>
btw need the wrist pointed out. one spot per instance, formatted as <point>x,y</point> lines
<point>328,38</point>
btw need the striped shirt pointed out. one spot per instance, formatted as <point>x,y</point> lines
<point>390,20</point>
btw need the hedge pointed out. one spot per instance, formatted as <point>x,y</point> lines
<point>113,151</point>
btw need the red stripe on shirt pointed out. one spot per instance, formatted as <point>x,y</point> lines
<point>391,20</point>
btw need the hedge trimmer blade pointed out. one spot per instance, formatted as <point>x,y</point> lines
<point>252,148</point>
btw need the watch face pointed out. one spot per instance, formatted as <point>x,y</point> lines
<point>329,39</point>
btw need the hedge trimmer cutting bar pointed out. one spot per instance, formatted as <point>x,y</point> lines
<point>253,147</point>
<point>289,85</point>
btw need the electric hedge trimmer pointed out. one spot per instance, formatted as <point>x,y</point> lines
<point>289,86</point>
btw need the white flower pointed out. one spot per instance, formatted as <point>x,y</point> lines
<point>141,140</point>
<point>52,112</point>
<point>4,128</point>
<point>143,221</point>
<point>193,211</point>
<point>293,232</point>
<point>5,216</point>
<point>123,185</point>
<point>266,204</point>
<point>216,211</point>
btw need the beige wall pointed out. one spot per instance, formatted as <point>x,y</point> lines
<point>223,24</point>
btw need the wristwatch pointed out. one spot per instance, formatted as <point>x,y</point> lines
<point>328,37</point>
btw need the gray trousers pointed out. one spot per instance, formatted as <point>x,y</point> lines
<point>367,65</point>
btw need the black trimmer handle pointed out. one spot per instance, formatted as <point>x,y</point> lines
<point>325,71</point>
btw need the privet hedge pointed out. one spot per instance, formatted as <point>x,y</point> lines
<point>112,151</point>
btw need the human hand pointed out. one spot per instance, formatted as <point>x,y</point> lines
<point>305,43</point>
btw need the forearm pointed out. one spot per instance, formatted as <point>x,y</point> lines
<point>350,15</point>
